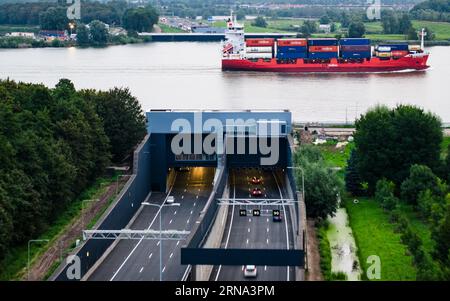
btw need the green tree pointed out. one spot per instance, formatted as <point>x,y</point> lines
<point>260,22</point>
<point>322,185</point>
<point>352,178</point>
<point>98,32</point>
<point>140,19</point>
<point>356,30</point>
<point>324,19</point>
<point>441,235</point>
<point>389,141</point>
<point>390,22</point>
<point>308,27</point>
<point>54,18</point>
<point>420,179</point>
<point>123,119</point>
<point>82,35</point>
<point>405,24</point>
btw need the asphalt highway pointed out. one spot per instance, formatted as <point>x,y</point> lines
<point>139,260</point>
<point>243,232</point>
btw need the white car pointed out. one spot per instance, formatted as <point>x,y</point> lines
<point>250,271</point>
<point>170,200</point>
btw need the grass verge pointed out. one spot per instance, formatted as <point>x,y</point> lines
<point>375,235</point>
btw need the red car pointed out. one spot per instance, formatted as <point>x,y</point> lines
<point>256,180</point>
<point>256,192</point>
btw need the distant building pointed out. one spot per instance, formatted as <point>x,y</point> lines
<point>21,34</point>
<point>250,18</point>
<point>326,28</point>
<point>50,35</point>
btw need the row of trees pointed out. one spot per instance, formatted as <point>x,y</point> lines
<point>53,144</point>
<point>322,184</point>
<point>432,10</point>
<point>397,158</point>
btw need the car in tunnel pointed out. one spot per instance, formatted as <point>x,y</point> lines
<point>256,180</point>
<point>250,271</point>
<point>256,192</point>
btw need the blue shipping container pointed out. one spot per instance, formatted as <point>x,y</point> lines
<point>291,55</point>
<point>322,55</point>
<point>354,42</point>
<point>322,42</point>
<point>353,55</point>
<point>286,49</point>
<point>396,47</point>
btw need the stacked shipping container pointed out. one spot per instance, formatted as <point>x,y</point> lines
<point>352,48</point>
<point>392,50</point>
<point>323,48</point>
<point>259,48</point>
<point>292,48</point>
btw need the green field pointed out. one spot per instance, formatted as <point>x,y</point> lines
<point>440,29</point>
<point>374,235</point>
<point>336,157</point>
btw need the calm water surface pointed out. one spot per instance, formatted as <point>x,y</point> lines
<point>188,76</point>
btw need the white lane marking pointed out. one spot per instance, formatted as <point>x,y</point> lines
<point>170,222</point>
<point>140,271</point>
<point>158,243</point>
<point>188,221</point>
<point>265,268</point>
<point>171,254</point>
<point>192,211</point>
<point>178,242</point>
<point>150,256</point>
<point>248,230</point>
<point>164,268</point>
<point>231,224</point>
<point>182,197</point>
<point>175,213</point>
<point>267,220</point>
<point>267,230</point>
<point>249,220</point>
<point>285,219</point>
<point>196,197</point>
<point>267,241</point>
<point>247,241</point>
<point>195,203</point>
<point>137,245</point>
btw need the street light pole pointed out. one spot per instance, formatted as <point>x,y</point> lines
<point>29,244</point>
<point>303,178</point>
<point>160,230</point>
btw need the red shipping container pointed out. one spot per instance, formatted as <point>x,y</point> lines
<point>323,48</point>
<point>259,42</point>
<point>399,53</point>
<point>292,42</point>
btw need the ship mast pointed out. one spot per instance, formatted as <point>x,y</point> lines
<point>422,39</point>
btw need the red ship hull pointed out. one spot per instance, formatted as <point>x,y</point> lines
<point>410,62</point>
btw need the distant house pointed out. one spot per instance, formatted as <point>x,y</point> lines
<point>50,35</point>
<point>326,28</point>
<point>21,34</point>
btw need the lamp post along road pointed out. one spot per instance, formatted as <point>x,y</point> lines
<point>160,230</point>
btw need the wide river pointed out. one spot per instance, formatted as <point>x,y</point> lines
<point>188,76</point>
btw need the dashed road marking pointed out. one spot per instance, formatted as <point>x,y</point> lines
<point>171,254</point>
<point>267,240</point>
<point>140,271</point>
<point>247,241</point>
<point>188,221</point>
<point>192,211</point>
<point>175,213</point>
<point>164,268</point>
<point>170,222</point>
<point>158,243</point>
<point>150,256</point>
<point>248,230</point>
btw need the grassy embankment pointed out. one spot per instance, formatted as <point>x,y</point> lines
<point>14,265</point>
<point>374,234</point>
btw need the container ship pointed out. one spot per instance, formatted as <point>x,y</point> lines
<point>352,55</point>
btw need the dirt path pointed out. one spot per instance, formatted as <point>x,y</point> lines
<point>69,234</point>
<point>314,273</point>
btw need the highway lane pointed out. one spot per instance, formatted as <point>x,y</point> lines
<point>256,232</point>
<point>139,259</point>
